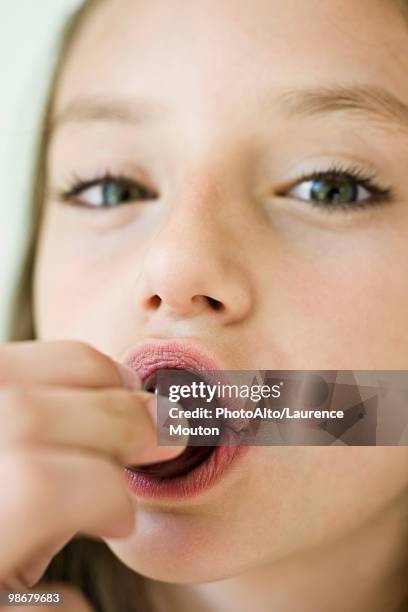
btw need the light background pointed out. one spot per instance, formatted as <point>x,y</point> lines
<point>29,34</point>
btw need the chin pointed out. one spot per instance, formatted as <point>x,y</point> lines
<point>178,548</point>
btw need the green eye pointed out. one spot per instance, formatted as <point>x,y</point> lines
<point>331,189</point>
<point>112,193</point>
<point>339,188</point>
<point>107,192</point>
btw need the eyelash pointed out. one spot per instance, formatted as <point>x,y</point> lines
<point>379,193</point>
<point>78,185</point>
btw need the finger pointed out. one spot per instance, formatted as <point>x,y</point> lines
<point>29,575</point>
<point>51,496</point>
<point>115,422</point>
<point>63,363</point>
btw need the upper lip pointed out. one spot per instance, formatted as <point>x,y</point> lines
<point>149,357</point>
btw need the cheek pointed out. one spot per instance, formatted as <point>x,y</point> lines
<point>366,316</point>
<point>339,305</point>
<point>75,282</point>
<point>315,494</point>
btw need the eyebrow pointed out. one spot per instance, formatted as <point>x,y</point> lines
<point>366,100</point>
<point>375,101</point>
<point>115,110</point>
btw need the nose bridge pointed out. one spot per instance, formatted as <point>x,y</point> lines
<point>201,189</point>
<point>193,240</point>
<point>198,218</point>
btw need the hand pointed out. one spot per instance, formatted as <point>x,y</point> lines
<point>68,426</point>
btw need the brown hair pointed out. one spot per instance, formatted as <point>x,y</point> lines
<point>22,324</point>
<point>88,565</point>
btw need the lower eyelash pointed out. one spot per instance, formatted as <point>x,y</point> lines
<point>330,209</point>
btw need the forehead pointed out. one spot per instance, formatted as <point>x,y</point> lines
<point>211,54</point>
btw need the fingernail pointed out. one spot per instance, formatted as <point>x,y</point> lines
<point>129,378</point>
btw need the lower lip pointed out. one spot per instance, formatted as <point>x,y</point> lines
<point>195,482</point>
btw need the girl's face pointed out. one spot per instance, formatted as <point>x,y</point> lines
<point>235,174</point>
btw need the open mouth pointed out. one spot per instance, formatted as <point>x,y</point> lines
<point>200,465</point>
<point>192,456</point>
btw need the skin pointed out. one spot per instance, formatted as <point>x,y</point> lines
<point>299,287</point>
<point>45,390</point>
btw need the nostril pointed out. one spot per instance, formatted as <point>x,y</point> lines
<point>215,304</point>
<point>154,301</point>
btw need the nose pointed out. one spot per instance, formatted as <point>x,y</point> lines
<point>195,264</point>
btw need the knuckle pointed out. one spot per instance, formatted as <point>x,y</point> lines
<point>19,415</point>
<point>77,351</point>
<point>93,362</point>
<point>68,347</point>
<point>118,402</point>
<point>122,409</point>
<point>130,433</point>
<point>86,351</point>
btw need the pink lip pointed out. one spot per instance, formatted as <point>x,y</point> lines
<point>193,483</point>
<point>179,354</point>
<point>176,354</point>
